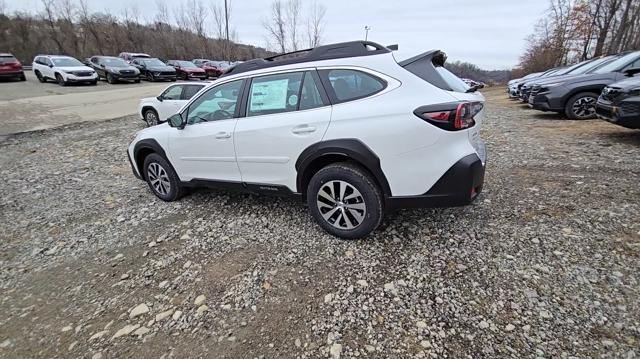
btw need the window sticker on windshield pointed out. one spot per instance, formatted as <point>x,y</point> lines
<point>269,95</point>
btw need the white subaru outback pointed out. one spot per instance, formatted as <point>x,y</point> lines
<point>344,127</point>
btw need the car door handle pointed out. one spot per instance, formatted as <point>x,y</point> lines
<point>223,135</point>
<point>303,129</point>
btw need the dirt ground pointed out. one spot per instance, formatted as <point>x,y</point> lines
<point>543,264</point>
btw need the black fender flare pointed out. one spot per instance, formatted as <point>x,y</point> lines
<point>348,148</point>
<point>147,146</point>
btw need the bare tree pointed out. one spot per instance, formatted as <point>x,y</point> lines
<point>276,26</point>
<point>315,24</point>
<point>292,20</point>
<point>48,15</point>
<point>162,12</point>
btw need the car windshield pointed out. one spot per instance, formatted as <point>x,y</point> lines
<point>66,61</point>
<point>114,62</point>
<point>152,62</point>
<point>186,64</point>
<point>617,64</point>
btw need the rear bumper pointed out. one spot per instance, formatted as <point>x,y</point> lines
<point>459,186</point>
<point>11,73</point>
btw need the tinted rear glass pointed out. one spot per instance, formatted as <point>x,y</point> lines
<point>7,59</point>
<point>424,67</point>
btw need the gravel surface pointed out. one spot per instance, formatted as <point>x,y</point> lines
<point>544,264</point>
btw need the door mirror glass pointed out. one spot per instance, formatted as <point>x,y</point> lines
<point>176,121</point>
<point>160,98</point>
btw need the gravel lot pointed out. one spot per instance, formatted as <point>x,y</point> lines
<point>544,264</point>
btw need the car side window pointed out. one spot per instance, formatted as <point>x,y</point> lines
<point>189,91</point>
<point>349,85</point>
<point>48,62</point>
<point>172,93</point>
<point>310,95</point>
<point>633,65</point>
<point>217,103</point>
<point>274,94</point>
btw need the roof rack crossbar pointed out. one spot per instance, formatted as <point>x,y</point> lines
<point>324,52</point>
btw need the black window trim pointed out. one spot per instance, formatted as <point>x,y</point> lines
<point>326,83</point>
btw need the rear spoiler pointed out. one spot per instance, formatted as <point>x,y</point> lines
<point>436,57</point>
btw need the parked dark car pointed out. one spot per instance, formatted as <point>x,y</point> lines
<point>580,68</point>
<point>213,69</point>
<point>153,69</point>
<point>619,103</point>
<point>187,70</point>
<point>114,69</point>
<point>10,67</point>
<point>576,96</point>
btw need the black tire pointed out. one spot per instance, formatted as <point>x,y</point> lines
<point>173,80</point>
<point>151,117</point>
<point>60,80</point>
<point>150,77</point>
<point>23,77</point>
<point>137,81</point>
<point>40,77</point>
<point>582,106</point>
<point>110,79</point>
<point>168,175</point>
<point>346,211</point>
<point>94,83</point>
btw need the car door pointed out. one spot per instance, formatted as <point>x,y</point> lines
<point>171,102</point>
<point>47,69</point>
<point>285,114</point>
<point>95,64</point>
<point>204,149</point>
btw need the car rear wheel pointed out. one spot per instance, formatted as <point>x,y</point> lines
<point>151,117</point>
<point>60,80</point>
<point>161,178</point>
<point>345,201</point>
<point>40,77</point>
<point>582,106</point>
<point>23,77</point>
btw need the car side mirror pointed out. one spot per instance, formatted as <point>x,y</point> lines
<point>632,71</point>
<point>177,121</point>
<point>160,98</point>
<point>51,65</point>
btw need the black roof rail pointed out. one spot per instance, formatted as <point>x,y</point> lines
<point>324,52</point>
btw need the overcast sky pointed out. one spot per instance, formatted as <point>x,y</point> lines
<point>488,33</point>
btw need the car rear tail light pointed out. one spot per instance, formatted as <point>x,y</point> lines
<point>452,116</point>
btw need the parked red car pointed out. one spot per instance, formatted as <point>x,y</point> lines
<point>214,68</point>
<point>10,67</point>
<point>187,70</point>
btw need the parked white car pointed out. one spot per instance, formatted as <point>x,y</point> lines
<point>63,70</point>
<point>343,127</point>
<point>155,110</point>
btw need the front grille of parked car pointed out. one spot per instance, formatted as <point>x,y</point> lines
<point>127,72</point>
<point>83,73</point>
<point>165,73</point>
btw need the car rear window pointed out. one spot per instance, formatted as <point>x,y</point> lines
<point>7,59</point>
<point>429,66</point>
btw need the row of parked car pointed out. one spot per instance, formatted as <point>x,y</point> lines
<point>127,67</point>
<point>605,87</point>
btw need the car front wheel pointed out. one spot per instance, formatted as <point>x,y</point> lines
<point>151,117</point>
<point>60,80</point>
<point>161,178</point>
<point>582,106</point>
<point>345,201</point>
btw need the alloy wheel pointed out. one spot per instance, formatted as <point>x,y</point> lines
<point>158,178</point>
<point>584,107</point>
<point>341,205</point>
<point>151,118</point>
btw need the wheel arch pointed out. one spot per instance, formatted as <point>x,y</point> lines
<point>144,148</point>
<point>321,154</point>
<point>145,108</point>
<point>595,88</point>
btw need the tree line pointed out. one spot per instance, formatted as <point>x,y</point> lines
<point>577,30</point>
<point>70,27</point>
